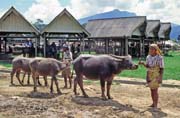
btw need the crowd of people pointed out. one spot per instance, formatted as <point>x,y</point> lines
<point>53,50</point>
<point>62,50</point>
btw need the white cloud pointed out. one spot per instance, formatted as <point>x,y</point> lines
<point>166,11</point>
<point>43,9</point>
<point>155,9</point>
<point>2,12</point>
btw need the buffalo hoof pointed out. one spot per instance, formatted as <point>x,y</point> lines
<point>65,87</point>
<point>51,91</point>
<point>59,92</point>
<point>46,85</point>
<point>86,96</point>
<point>12,84</point>
<point>104,98</point>
<point>28,83</point>
<point>22,82</point>
<point>76,94</point>
<point>109,97</point>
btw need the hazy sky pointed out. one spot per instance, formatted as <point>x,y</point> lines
<point>165,10</point>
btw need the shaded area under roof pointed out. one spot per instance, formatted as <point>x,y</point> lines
<point>116,27</point>
<point>164,32</point>
<point>152,28</point>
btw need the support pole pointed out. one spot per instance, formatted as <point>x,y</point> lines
<point>5,45</point>
<point>36,46</point>
<point>44,39</point>
<point>89,46</point>
<point>0,45</point>
<point>143,48</point>
<point>126,46</point>
<point>140,51</point>
<point>106,46</point>
<point>119,47</point>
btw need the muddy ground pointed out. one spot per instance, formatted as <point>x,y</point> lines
<point>131,99</point>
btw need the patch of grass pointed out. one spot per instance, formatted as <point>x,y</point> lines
<point>171,71</point>
<point>5,64</point>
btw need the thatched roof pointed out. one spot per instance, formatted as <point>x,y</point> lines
<point>164,32</point>
<point>65,23</point>
<point>13,21</point>
<point>116,27</point>
<point>152,28</point>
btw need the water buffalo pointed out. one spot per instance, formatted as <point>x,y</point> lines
<point>22,63</point>
<point>102,67</point>
<point>46,67</point>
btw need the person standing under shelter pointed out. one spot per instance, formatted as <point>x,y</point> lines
<point>53,50</point>
<point>67,55</point>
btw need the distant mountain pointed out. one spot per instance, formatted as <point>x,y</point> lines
<point>116,14</point>
<point>175,31</point>
<point>111,14</point>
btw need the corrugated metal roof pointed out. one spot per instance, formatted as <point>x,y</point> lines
<point>65,23</point>
<point>115,27</point>
<point>152,28</point>
<point>165,29</point>
<point>13,21</point>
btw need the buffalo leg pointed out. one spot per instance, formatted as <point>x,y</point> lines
<point>80,82</point>
<point>103,89</point>
<point>17,75</point>
<point>23,77</point>
<point>12,75</point>
<point>57,86</point>
<point>35,83</point>
<point>65,81</point>
<point>70,81</point>
<point>75,85</point>
<point>38,80</point>
<point>51,88</point>
<point>45,81</point>
<point>28,81</point>
<point>108,89</point>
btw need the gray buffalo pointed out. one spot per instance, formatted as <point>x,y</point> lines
<point>102,67</point>
<point>22,63</point>
<point>46,67</point>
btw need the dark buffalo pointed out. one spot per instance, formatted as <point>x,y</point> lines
<point>102,67</point>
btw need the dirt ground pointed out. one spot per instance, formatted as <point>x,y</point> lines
<point>131,100</point>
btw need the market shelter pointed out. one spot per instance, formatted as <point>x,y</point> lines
<point>64,27</point>
<point>115,34</point>
<point>14,25</point>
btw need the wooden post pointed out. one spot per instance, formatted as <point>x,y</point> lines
<point>140,51</point>
<point>89,46</point>
<point>126,46</point>
<point>36,46</point>
<point>122,47</point>
<point>119,47</point>
<point>0,45</point>
<point>5,50</point>
<point>44,38</point>
<point>143,48</point>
